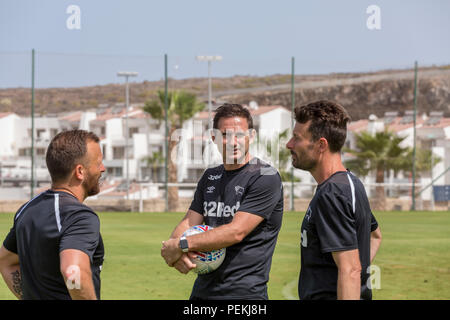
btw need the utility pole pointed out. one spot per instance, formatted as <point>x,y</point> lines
<point>209,59</point>
<point>32,125</point>
<point>291,208</point>
<point>166,140</point>
<point>413,206</point>
<point>127,74</point>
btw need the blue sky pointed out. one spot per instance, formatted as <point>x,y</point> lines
<point>254,37</point>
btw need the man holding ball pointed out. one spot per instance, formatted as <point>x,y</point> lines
<point>242,199</point>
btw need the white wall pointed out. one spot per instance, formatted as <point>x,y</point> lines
<point>274,121</point>
<point>7,131</point>
<point>86,117</point>
<point>114,129</point>
<point>140,146</point>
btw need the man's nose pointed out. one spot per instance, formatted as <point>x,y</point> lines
<point>289,144</point>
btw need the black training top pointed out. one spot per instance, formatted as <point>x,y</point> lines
<point>338,219</point>
<point>49,223</point>
<point>254,188</point>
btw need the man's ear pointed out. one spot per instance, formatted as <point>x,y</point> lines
<point>323,144</point>
<point>79,172</point>
<point>215,133</point>
<point>252,135</point>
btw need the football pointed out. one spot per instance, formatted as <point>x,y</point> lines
<point>206,261</point>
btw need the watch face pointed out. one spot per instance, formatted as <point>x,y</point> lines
<point>184,245</point>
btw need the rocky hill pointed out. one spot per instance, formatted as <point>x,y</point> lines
<point>361,93</point>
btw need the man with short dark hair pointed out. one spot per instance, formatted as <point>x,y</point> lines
<point>54,249</point>
<point>243,200</point>
<point>339,234</point>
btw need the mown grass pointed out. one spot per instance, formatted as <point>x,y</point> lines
<point>414,258</point>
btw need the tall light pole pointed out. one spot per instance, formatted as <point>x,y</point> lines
<point>32,126</point>
<point>413,193</point>
<point>209,59</point>
<point>127,74</point>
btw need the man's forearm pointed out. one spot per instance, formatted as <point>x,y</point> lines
<point>374,246</point>
<point>349,285</point>
<point>218,238</point>
<point>13,279</point>
<point>191,218</point>
<point>375,242</point>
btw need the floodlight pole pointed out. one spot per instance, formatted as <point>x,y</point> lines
<point>166,140</point>
<point>413,206</point>
<point>32,126</point>
<point>127,101</point>
<point>209,59</point>
<point>291,207</point>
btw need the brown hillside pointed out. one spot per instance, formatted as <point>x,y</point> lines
<point>361,93</point>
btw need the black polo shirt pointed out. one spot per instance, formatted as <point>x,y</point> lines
<point>46,225</point>
<point>338,219</point>
<point>255,188</point>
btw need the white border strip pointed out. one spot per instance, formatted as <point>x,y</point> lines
<point>352,186</point>
<point>20,212</point>
<point>58,218</point>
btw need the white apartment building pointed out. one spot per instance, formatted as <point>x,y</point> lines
<point>432,132</point>
<point>15,144</point>
<point>145,138</point>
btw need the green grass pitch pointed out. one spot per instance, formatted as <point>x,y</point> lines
<point>414,258</point>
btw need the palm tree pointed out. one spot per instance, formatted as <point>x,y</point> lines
<point>381,153</point>
<point>283,154</point>
<point>182,106</point>
<point>154,161</point>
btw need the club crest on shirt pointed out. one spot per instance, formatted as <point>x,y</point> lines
<point>210,189</point>
<point>239,190</point>
<point>308,213</point>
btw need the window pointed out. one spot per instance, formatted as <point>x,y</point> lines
<point>132,131</point>
<point>118,152</point>
<point>24,152</point>
<point>53,132</point>
<point>39,133</point>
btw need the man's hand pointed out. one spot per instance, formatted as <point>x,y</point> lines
<point>171,251</point>
<point>185,264</point>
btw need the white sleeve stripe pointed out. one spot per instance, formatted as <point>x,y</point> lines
<point>352,187</point>
<point>58,218</point>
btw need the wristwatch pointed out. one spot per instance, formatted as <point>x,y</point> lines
<point>184,244</point>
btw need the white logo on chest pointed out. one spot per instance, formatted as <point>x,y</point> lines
<point>219,209</point>
<point>214,177</point>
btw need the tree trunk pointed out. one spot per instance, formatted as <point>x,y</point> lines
<point>172,167</point>
<point>380,197</point>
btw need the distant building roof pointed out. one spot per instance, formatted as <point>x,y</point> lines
<point>358,126</point>
<point>72,117</point>
<point>254,112</point>
<point>134,112</point>
<point>5,114</point>
<point>400,123</point>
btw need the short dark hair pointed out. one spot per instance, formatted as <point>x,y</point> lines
<point>229,110</point>
<point>66,150</point>
<point>328,120</point>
